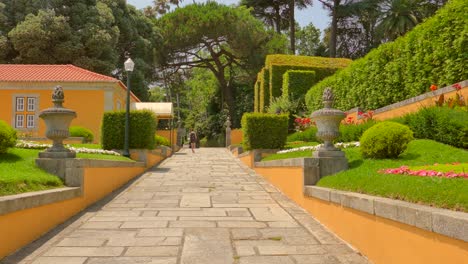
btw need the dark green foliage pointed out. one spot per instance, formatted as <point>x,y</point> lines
<point>263,80</point>
<point>264,131</point>
<point>297,83</point>
<point>142,130</point>
<point>307,135</point>
<point>161,141</point>
<point>7,137</point>
<point>215,142</point>
<point>77,131</point>
<point>385,140</point>
<point>434,52</point>
<point>278,64</point>
<point>349,133</point>
<point>443,124</point>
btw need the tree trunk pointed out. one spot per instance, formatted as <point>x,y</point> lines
<point>277,19</point>
<point>227,93</point>
<point>292,27</point>
<point>334,29</point>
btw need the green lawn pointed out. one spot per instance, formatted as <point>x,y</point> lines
<point>363,176</point>
<point>90,146</point>
<point>19,173</point>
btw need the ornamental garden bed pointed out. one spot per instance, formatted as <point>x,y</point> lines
<point>367,175</point>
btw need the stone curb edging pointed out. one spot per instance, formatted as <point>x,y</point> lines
<point>445,222</point>
<point>17,202</point>
<point>294,162</point>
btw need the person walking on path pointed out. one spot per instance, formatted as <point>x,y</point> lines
<point>193,140</point>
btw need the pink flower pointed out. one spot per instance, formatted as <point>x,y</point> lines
<point>457,86</point>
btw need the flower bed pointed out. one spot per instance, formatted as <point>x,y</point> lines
<point>405,170</point>
<point>338,145</point>
<point>33,145</point>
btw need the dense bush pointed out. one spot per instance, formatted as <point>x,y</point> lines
<point>307,135</point>
<point>353,132</point>
<point>77,131</point>
<point>443,124</point>
<point>161,141</point>
<point>297,83</point>
<point>434,52</point>
<point>142,129</point>
<point>385,140</point>
<point>264,131</point>
<point>7,137</point>
<point>215,142</point>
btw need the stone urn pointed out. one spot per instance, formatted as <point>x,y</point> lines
<point>57,120</point>
<point>328,122</point>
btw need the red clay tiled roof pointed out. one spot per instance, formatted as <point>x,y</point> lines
<point>49,73</point>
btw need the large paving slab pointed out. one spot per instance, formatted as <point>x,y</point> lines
<point>202,208</point>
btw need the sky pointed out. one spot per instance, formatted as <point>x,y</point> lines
<point>315,14</point>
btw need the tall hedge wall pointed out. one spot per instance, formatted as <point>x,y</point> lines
<point>143,125</point>
<point>297,83</point>
<point>278,64</point>
<point>264,131</point>
<point>256,96</point>
<point>434,52</point>
<point>264,90</point>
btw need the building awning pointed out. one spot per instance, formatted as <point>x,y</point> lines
<point>162,110</point>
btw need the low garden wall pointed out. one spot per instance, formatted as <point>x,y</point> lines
<point>25,217</point>
<point>168,134</point>
<point>236,136</point>
<point>385,230</point>
<point>414,104</point>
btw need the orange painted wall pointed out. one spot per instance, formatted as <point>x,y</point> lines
<point>19,228</point>
<point>248,160</point>
<point>87,103</point>
<point>411,108</point>
<point>236,136</point>
<point>89,106</point>
<point>383,241</point>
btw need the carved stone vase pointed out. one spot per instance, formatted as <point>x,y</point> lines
<point>57,120</point>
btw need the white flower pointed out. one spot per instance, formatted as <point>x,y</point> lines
<point>34,145</point>
<point>338,145</point>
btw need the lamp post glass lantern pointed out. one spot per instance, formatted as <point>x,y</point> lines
<point>128,65</point>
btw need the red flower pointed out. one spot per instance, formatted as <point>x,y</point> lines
<point>457,86</point>
<point>359,113</point>
<point>433,87</point>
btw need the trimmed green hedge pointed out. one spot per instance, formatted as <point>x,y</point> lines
<point>297,83</point>
<point>434,52</point>
<point>7,137</point>
<point>263,80</point>
<point>353,132</point>
<point>279,64</point>
<point>256,96</point>
<point>77,131</point>
<point>143,125</point>
<point>264,131</point>
<point>308,135</point>
<point>443,124</point>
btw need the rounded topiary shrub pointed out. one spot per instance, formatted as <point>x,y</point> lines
<point>7,137</point>
<point>385,140</point>
<point>77,131</point>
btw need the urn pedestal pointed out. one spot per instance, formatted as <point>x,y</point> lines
<point>57,120</point>
<point>331,159</point>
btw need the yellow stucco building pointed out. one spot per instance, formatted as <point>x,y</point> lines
<point>25,90</point>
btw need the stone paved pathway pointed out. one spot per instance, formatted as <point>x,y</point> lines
<point>202,208</point>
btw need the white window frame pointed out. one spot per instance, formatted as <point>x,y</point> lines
<point>30,121</point>
<point>31,104</point>
<point>19,121</point>
<point>18,104</point>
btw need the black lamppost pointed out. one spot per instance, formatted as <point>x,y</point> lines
<point>129,65</point>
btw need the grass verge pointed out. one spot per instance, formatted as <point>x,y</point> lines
<point>19,173</point>
<point>363,176</point>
